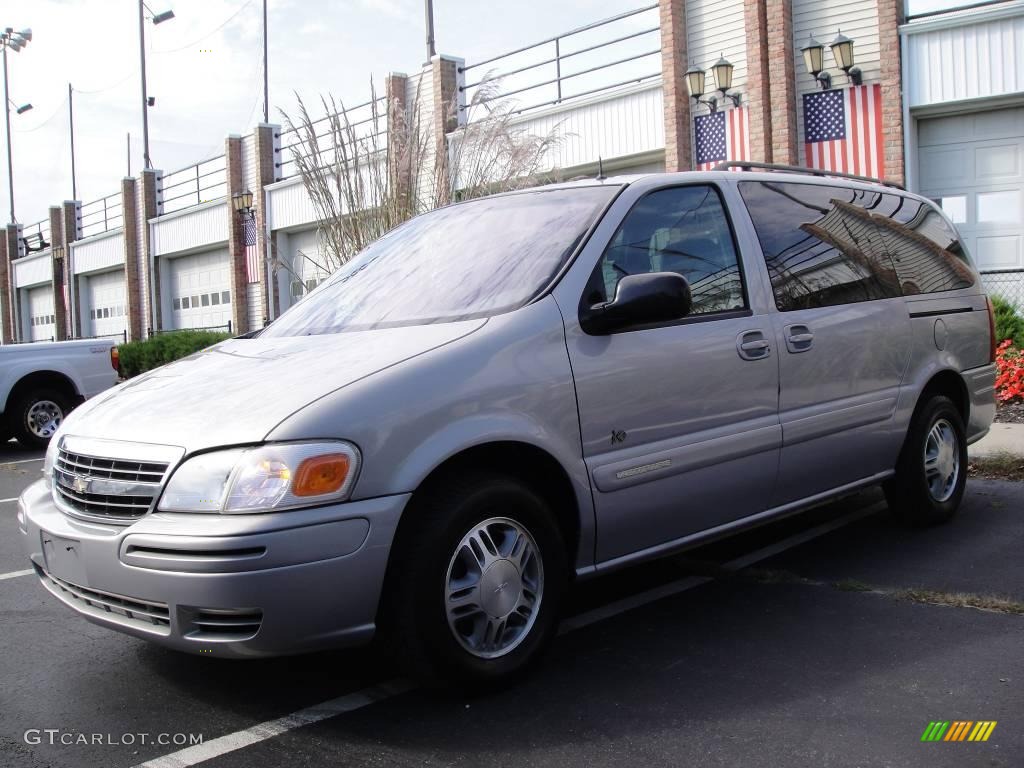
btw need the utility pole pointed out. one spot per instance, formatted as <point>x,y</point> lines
<point>7,119</point>
<point>145,98</point>
<point>266,75</point>
<point>71,124</point>
<point>129,153</point>
<point>431,52</point>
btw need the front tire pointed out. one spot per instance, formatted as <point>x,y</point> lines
<point>476,581</point>
<point>931,473</point>
<point>36,416</point>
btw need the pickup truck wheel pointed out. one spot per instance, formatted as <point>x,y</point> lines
<point>931,473</point>
<point>36,415</point>
<point>478,582</point>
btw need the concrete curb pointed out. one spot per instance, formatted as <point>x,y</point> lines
<point>1002,439</point>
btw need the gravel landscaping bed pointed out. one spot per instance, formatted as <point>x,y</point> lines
<point>1010,413</point>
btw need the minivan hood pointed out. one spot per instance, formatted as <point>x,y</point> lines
<point>237,391</point>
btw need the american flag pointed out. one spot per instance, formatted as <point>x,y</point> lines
<point>722,136</point>
<point>252,262</point>
<point>843,130</point>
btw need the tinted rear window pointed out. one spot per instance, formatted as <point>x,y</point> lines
<point>827,245</point>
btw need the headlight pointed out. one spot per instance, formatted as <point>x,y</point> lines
<point>263,479</point>
<point>51,456</point>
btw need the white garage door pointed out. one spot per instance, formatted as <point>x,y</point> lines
<point>973,165</point>
<point>40,313</point>
<point>200,290</point>
<point>105,308</point>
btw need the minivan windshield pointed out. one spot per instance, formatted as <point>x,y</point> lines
<point>474,259</point>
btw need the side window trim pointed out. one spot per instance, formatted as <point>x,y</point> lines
<point>723,314</point>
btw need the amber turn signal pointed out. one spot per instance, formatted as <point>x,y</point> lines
<point>320,474</point>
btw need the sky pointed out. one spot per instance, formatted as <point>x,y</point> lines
<point>204,69</point>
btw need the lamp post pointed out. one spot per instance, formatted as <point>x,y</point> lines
<point>15,41</point>
<point>157,18</point>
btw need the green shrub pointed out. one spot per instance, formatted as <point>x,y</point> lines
<point>1009,323</point>
<point>140,356</point>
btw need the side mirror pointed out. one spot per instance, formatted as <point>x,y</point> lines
<point>657,297</point>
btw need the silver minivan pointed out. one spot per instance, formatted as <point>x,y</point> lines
<point>513,392</point>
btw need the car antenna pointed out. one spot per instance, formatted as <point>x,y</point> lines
<point>600,169</point>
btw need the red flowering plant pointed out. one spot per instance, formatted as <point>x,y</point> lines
<point>1009,373</point>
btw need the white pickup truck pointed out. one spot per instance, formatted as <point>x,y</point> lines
<point>41,382</point>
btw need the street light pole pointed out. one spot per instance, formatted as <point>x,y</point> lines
<point>266,81</point>
<point>71,125</point>
<point>145,99</point>
<point>431,51</point>
<point>7,120</point>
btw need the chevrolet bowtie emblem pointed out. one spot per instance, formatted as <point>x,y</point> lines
<point>80,484</point>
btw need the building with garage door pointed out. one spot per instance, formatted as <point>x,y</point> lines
<point>963,88</point>
<point>924,93</point>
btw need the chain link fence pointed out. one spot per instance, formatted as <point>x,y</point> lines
<point>1008,284</point>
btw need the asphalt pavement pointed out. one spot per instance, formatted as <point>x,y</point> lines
<point>829,639</point>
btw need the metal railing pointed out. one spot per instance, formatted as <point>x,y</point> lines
<point>199,183</point>
<point>366,122</point>
<point>161,331</point>
<point>574,64</point>
<point>36,237</point>
<point>123,335</point>
<point>1007,283</point>
<point>101,215</point>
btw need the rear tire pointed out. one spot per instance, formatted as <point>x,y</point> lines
<point>931,473</point>
<point>36,415</point>
<point>475,583</point>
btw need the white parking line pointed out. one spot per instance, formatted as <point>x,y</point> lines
<point>3,501</point>
<point>353,701</point>
<point>15,574</point>
<point>20,461</point>
<point>267,730</point>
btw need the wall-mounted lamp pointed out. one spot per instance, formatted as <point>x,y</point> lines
<point>721,70</point>
<point>242,202</point>
<point>842,52</point>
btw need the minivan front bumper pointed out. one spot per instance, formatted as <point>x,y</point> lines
<point>220,585</point>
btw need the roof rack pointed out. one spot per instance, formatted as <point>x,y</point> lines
<point>724,166</point>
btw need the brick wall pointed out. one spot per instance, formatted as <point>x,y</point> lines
<point>265,242</point>
<point>6,277</point>
<point>890,16</point>
<point>58,251</point>
<point>444,113</point>
<point>134,287</point>
<point>236,237</point>
<point>758,94</point>
<point>782,81</point>
<point>678,154</point>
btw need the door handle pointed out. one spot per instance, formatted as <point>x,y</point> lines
<point>752,345</point>
<point>799,338</point>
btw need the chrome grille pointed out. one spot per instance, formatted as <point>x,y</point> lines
<point>101,488</point>
<point>147,614</point>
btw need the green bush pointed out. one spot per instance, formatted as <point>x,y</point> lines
<point>1009,323</point>
<point>140,356</point>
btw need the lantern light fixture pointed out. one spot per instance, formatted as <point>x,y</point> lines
<point>842,52</point>
<point>721,71</point>
<point>242,201</point>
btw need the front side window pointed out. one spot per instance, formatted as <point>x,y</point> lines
<point>821,244</point>
<point>683,230</point>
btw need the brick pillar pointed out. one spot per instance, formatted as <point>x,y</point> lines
<point>266,173</point>
<point>236,237</point>
<point>399,175</point>
<point>890,16</point>
<point>6,279</point>
<point>782,83</point>
<point>133,284</point>
<point>148,265</point>
<point>58,257</point>
<point>445,118</point>
<point>13,304</point>
<point>70,232</point>
<point>678,153</point>
<point>758,96</point>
